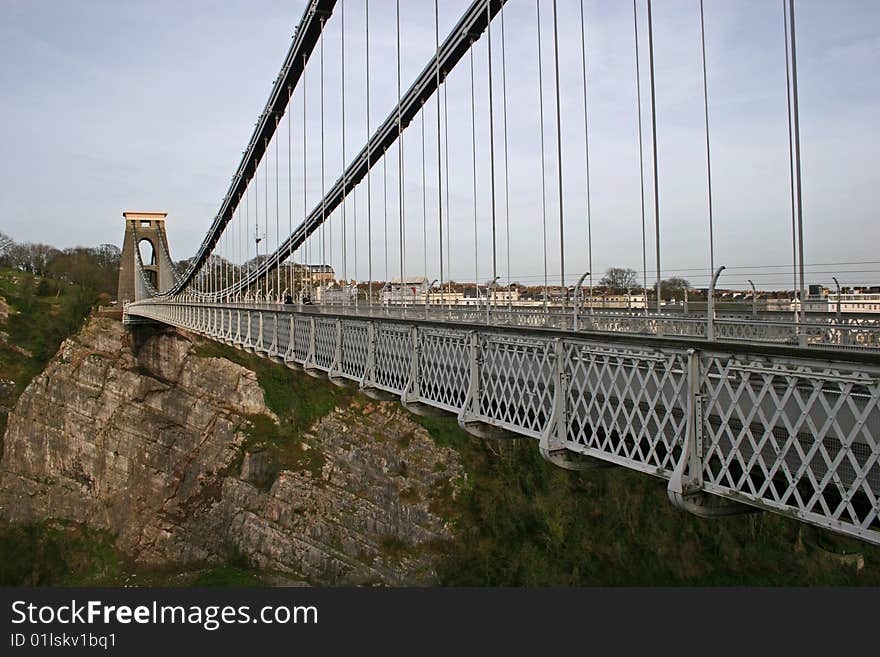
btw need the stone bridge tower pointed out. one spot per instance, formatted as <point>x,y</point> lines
<point>144,232</point>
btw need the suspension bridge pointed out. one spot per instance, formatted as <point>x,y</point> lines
<point>737,411</point>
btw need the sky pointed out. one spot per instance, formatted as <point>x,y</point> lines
<point>129,105</point>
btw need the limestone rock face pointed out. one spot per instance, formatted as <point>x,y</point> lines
<point>130,430</point>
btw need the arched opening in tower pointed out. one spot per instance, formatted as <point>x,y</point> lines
<point>148,252</point>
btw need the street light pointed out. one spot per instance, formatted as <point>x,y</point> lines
<point>488,295</point>
<point>577,289</point>
<point>837,283</point>
<point>754,300</point>
<point>710,333</point>
<point>428,295</point>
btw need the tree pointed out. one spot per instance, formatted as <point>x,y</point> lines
<point>5,243</point>
<point>31,258</point>
<point>674,288</point>
<point>618,279</point>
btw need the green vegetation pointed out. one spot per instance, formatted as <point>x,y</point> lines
<point>524,522</point>
<point>94,268</point>
<point>56,554</point>
<point>297,399</point>
<point>64,554</point>
<point>42,313</point>
<point>226,575</point>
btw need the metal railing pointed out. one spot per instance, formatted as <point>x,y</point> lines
<point>794,431</point>
<point>850,334</point>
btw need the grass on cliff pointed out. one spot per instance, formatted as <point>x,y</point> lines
<point>42,313</point>
<point>68,554</point>
<point>297,399</point>
<point>523,522</point>
<point>293,396</point>
<point>54,554</point>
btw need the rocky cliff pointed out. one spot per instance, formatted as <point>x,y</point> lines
<point>177,454</point>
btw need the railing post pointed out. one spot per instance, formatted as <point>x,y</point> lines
<point>553,443</point>
<point>680,484</point>
<point>310,356</point>
<point>259,345</point>
<point>290,354</point>
<point>412,390</point>
<point>553,437</point>
<point>337,350</point>
<point>560,392</point>
<point>685,491</point>
<point>471,404</point>
<point>273,348</point>
<point>369,376</point>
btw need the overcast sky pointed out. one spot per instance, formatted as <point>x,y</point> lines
<point>124,105</point>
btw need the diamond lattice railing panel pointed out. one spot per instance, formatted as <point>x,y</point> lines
<point>628,404</point>
<point>302,331</point>
<point>517,382</point>
<point>444,367</point>
<point>756,332</point>
<point>355,344</point>
<point>268,330</point>
<point>283,336</point>
<point>325,342</point>
<point>393,354</point>
<point>803,439</point>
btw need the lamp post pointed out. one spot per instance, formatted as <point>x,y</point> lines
<point>837,283</point>
<point>428,295</point>
<point>488,296</point>
<point>577,304</point>
<point>754,300</point>
<point>710,333</point>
